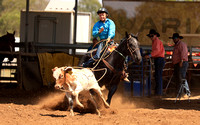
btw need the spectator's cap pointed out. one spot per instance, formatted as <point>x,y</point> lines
<point>153,32</point>
<point>175,36</point>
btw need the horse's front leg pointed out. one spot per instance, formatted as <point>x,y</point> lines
<point>111,92</point>
<point>71,103</point>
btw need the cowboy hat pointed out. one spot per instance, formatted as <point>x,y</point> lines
<point>176,35</point>
<point>152,31</point>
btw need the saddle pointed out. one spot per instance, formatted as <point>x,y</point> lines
<point>89,54</point>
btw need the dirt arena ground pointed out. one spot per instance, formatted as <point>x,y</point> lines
<point>47,107</point>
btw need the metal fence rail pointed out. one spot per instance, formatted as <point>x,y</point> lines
<point>20,55</point>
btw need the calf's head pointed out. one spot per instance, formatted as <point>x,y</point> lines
<point>64,78</point>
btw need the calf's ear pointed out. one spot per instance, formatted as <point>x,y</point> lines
<point>54,69</point>
<point>68,70</point>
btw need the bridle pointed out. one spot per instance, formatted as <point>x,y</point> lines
<point>129,48</point>
<point>131,52</point>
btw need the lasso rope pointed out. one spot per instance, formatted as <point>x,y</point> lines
<point>93,69</point>
<point>94,46</point>
<point>105,48</point>
<point>78,67</point>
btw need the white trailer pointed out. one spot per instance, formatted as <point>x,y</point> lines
<point>55,25</point>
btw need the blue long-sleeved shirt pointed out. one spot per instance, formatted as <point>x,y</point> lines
<point>109,29</point>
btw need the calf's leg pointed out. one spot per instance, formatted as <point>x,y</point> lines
<point>76,99</point>
<point>69,97</point>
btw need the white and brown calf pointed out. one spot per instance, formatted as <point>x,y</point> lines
<point>73,81</point>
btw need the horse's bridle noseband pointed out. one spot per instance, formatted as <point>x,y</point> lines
<point>130,49</point>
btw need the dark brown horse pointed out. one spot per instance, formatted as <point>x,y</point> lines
<point>114,63</point>
<point>7,43</point>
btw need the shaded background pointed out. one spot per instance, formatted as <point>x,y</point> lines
<point>165,17</point>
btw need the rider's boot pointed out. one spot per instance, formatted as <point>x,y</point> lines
<point>124,76</point>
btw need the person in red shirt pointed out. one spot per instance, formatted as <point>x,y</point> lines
<point>179,59</point>
<point>158,54</point>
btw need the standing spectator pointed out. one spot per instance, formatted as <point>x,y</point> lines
<point>179,59</point>
<point>158,54</point>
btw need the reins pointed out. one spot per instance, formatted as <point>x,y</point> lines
<point>120,54</point>
<point>111,67</point>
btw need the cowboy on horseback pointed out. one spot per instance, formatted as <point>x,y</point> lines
<point>105,30</point>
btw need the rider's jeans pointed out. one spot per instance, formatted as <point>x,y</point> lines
<point>98,53</point>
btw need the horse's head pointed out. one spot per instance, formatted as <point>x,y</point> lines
<point>133,47</point>
<point>7,43</point>
<point>10,37</point>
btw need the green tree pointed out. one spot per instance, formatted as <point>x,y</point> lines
<point>90,6</point>
<point>10,13</point>
<point>1,7</point>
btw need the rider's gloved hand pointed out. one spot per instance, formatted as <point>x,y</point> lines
<point>101,30</point>
<point>107,40</point>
